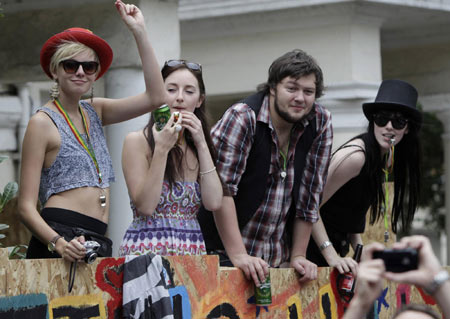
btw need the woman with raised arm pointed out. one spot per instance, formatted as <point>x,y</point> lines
<point>65,160</point>
<point>170,173</point>
<point>358,174</point>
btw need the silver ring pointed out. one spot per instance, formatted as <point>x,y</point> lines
<point>177,128</point>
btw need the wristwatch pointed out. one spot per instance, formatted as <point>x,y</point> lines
<point>52,244</point>
<point>440,278</point>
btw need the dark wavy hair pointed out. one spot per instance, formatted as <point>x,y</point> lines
<point>296,64</point>
<point>406,175</point>
<point>174,168</point>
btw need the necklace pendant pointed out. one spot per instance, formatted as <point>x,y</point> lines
<point>283,174</point>
<point>102,200</point>
<point>386,236</point>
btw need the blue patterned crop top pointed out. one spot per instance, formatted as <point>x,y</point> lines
<point>73,167</point>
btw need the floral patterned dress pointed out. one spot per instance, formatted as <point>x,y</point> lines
<point>173,229</point>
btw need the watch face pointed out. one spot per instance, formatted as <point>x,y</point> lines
<point>51,247</point>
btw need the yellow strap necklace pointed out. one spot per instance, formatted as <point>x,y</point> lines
<point>389,168</point>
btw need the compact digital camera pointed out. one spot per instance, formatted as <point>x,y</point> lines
<point>91,251</point>
<point>398,260</point>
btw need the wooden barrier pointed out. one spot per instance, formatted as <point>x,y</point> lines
<point>198,287</point>
<point>202,289</point>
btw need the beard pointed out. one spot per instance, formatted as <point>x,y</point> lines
<point>283,114</point>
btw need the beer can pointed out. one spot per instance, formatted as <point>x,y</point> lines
<point>161,116</point>
<point>263,293</point>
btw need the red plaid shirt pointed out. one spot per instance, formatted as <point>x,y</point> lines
<point>264,235</point>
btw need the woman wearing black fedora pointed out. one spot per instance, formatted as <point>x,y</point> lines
<point>65,161</point>
<point>358,170</point>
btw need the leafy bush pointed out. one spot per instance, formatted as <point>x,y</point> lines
<point>9,191</point>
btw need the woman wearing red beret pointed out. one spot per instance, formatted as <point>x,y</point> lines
<point>65,160</point>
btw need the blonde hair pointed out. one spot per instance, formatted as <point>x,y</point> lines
<point>67,50</point>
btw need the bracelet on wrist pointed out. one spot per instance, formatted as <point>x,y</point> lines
<point>207,172</point>
<point>325,244</point>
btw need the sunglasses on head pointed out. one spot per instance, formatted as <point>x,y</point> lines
<point>190,65</point>
<point>382,119</point>
<point>71,66</point>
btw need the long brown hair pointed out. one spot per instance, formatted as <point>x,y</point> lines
<point>174,168</point>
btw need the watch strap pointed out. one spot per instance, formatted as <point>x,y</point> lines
<point>52,243</point>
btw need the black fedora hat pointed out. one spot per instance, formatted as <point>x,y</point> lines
<point>395,95</point>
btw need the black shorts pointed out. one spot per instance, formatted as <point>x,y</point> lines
<point>70,224</point>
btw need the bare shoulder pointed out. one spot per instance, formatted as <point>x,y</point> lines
<point>40,119</point>
<point>40,125</point>
<point>351,158</point>
<point>136,142</point>
<point>97,103</point>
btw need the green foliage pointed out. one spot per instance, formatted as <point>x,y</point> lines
<point>9,192</point>
<point>433,189</point>
<point>17,252</point>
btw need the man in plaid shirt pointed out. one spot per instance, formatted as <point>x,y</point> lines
<point>275,231</point>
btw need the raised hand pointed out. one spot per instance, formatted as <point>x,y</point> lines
<point>131,15</point>
<point>429,264</point>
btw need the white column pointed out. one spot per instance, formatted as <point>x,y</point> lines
<point>446,142</point>
<point>352,71</point>
<point>126,79</point>
<point>10,111</point>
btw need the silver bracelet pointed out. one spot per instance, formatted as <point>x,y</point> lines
<point>325,244</point>
<point>208,171</point>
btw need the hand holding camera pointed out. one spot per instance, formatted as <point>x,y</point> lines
<point>79,249</point>
<point>428,264</point>
<point>411,261</point>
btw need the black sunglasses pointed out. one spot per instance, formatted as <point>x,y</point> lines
<point>71,66</point>
<point>190,65</point>
<point>382,119</point>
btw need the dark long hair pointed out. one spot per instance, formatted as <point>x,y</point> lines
<point>174,168</point>
<point>406,175</point>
